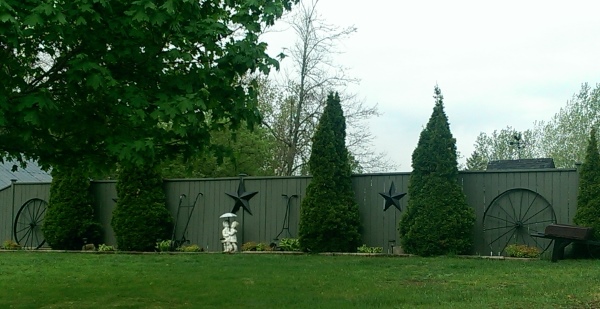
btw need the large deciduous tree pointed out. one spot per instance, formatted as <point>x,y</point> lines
<point>310,73</point>
<point>506,144</point>
<point>562,138</point>
<point>99,81</point>
<point>588,197</point>
<point>250,152</point>
<point>437,220</point>
<point>329,217</point>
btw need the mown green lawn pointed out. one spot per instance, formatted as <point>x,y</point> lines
<point>82,280</point>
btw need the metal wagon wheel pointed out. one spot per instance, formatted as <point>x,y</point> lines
<point>515,214</point>
<point>28,224</point>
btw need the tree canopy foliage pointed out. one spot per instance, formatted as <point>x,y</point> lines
<point>437,220</point>
<point>98,81</point>
<point>250,152</point>
<point>506,144</point>
<point>329,217</point>
<point>562,138</point>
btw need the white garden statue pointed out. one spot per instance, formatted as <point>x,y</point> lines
<point>233,237</point>
<point>225,238</point>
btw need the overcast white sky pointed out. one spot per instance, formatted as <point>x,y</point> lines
<point>498,64</point>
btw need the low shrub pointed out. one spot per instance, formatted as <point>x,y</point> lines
<point>522,251</point>
<point>164,246</point>
<point>10,245</point>
<point>190,248</point>
<point>249,246</point>
<point>289,244</point>
<point>105,248</point>
<point>264,247</point>
<point>365,249</point>
<point>253,246</point>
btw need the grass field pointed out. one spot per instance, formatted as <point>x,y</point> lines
<point>81,280</point>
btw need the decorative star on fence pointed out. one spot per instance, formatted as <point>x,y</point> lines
<point>392,198</point>
<point>241,198</point>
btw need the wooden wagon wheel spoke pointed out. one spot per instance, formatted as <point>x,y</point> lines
<point>25,227</point>
<point>502,219</point>
<point>26,236</point>
<point>538,222</point>
<point>498,228</point>
<point>498,238</point>
<point>511,236</point>
<point>537,213</point>
<point>521,211</point>
<point>529,207</point>
<point>514,213</point>
<point>539,245</point>
<point>40,212</point>
<point>512,219</point>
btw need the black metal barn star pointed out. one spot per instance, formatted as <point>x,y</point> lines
<point>392,198</point>
<point>241,198</point>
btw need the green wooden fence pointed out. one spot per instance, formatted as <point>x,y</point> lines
<point>502,201</point>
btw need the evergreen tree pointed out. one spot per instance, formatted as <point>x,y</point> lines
<point>70,217</point>
<point>588,198</point>
<point>329,218</point>
<point>476,162</point>
<point>140,218</point>
<point>437,220</point>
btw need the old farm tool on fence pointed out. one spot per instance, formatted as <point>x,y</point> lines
<point>28,224</point>
<point>175,241</point>
<point>513,216</point>
<point>286,218</point>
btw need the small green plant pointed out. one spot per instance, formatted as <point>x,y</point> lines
<point>164,246</point>
<point>105,247</point>
<point>190,248</point>
<point>289,244</point>
<point>10,245</point>
<point>522,251</point>
<point>249,246</point>
<point>365,249</point>
<point>263,247</point>
<point>253,246</point>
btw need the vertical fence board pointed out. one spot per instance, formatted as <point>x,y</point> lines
<point>6,214</point>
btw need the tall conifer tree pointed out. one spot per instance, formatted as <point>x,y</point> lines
<point>588,197</point>
<point>141,216</point>
<point>329,219</point>
<point>437,220</point>
<point>70,220</point>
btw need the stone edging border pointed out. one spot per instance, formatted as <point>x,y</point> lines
<point>268,252</point>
